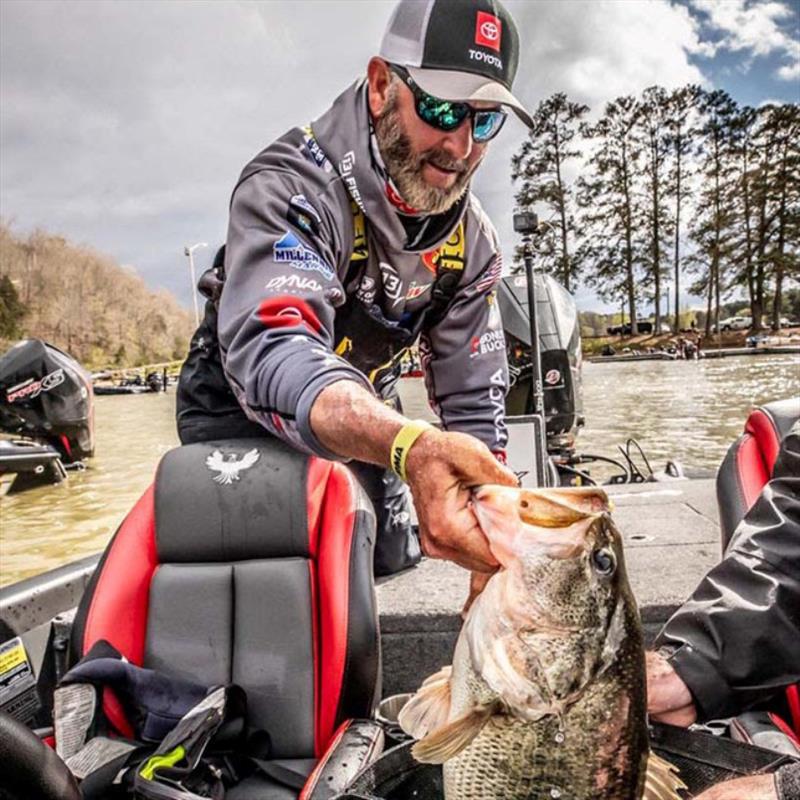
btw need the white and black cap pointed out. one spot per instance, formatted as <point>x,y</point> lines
<point>457,49</point>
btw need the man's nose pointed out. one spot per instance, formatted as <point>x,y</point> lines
<point>458,143</point>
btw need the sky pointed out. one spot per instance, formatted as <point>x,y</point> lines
<point>124,125</point>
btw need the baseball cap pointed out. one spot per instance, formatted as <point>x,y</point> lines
<point>457,49</point>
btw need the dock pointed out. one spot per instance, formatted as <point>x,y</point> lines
<point>711,352</point>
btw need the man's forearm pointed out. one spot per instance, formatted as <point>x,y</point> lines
<point>353,423</point>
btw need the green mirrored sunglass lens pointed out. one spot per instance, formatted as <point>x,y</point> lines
<point>442,114</point>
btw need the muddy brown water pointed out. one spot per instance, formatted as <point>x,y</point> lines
<point>690,411</point>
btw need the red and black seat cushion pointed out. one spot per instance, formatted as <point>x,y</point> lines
<point>259,574</point>
<point>749,462</point>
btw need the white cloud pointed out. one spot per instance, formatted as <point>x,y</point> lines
<point>760,28</point>
<point>594,51</point>
<point>125,124</point>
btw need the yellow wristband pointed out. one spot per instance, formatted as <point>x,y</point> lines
<point>406,437</point>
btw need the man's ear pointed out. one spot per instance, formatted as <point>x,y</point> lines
<point>379,78</point>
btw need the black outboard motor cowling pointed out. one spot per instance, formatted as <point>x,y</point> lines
<point>560,346</point>
<point>47,395</point>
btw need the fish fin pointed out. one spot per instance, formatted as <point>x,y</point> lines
<point>442,675</point>
<point>662,781</point>
<point>429,708</point>
<point>445,743</point>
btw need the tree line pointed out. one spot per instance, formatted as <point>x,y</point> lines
<point>84,303</point>
<point>682,185</point>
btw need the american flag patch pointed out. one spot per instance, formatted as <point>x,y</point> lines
<point>491,275</point>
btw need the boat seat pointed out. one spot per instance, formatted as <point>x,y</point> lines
<point>749,462</point>
<point>248,563</point>
<point>745,470</point>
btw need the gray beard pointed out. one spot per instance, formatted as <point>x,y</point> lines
<point>405,166</point>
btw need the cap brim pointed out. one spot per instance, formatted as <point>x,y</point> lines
<point>465,87</point>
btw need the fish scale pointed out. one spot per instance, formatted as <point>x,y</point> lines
<point>546,697</point>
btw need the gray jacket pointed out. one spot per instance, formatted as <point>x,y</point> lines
<point>289,275</point>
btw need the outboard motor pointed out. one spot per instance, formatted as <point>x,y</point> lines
<point>46,395</point>
<point>560,344</point>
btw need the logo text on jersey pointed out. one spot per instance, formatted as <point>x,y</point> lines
<point>290,250</point>
<point>293,283</point>
<point>346,171</point>
<point>392,285</point>
<point>489,342</point>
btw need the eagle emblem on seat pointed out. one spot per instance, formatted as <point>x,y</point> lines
<point>229,466</point>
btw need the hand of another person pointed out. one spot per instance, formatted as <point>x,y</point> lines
<point>668,698</point>
<point>441,469</point>
<point>753,787</point>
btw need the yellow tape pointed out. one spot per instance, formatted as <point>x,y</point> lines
<point>148,769</point>
<point>406,437</point>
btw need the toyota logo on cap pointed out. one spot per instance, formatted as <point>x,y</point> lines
<point>487,31</point>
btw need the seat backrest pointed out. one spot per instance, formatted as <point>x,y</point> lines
<point>749,462</point>
<point>248,563</point>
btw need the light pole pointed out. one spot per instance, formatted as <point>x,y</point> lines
<point>189,251</point>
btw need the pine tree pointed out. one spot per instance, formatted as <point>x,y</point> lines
<point>712,229</point>
<point>611,213</point>
<point>784,256</point>
<point>681,133</point>
<point>652,131</point>
<point>541,167</point>
<point>744,151</point>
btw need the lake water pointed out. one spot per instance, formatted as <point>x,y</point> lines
<point>687,410</point>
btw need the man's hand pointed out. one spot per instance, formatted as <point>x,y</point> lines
<point>441,469</point>
<point>668,698</point>
<point>753,787</point>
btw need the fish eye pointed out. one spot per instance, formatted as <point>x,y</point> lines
<point>604,562</point>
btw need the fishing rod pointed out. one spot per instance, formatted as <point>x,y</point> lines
<point>526,223</point>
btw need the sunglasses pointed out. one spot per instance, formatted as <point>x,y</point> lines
<point>447,115</point>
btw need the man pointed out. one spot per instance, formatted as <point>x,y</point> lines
<point>351,238</point>
<point>736,641</point>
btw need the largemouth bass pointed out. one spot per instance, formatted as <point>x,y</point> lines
<point>546,696</point>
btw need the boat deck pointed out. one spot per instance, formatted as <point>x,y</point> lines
<point>671,533</point>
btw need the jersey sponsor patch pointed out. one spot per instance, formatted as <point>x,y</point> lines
<point>285,311</point>
<point>416,290</point>
<point>303,215</point>
<point>489,342</point>
<point>392,284</point>
<point>290,250</point>
<point>293,283</point>
<point>314,151</point>
<point>491,275</point>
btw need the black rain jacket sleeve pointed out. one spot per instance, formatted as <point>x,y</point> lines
<point>736,640</point>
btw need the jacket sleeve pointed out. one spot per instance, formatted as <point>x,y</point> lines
<point>736,641</point>
<point>277,308</point>
<point>464,359</point>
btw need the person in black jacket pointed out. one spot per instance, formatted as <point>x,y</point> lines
<point>735,642</point>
